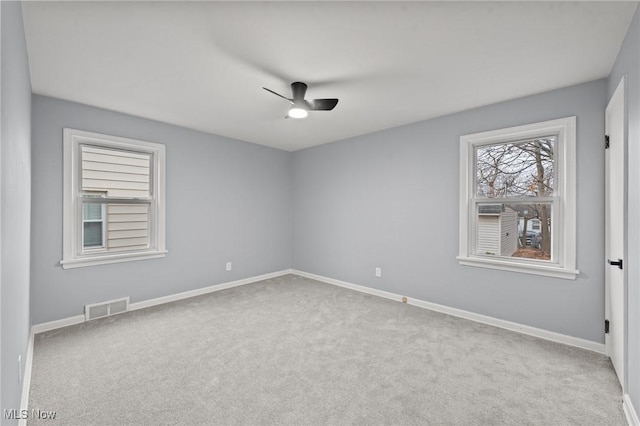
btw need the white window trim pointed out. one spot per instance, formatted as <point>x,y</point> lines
<point>71,213</point>
<point>565,189</point>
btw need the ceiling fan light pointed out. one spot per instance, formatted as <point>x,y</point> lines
<point>297,112</point>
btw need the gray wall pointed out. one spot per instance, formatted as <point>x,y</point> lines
<point>226,201</point>
<point>390,199</point>
<point>15,194</point>
<point>628,62</point>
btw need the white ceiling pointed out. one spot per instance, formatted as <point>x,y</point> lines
<point>202,65</point>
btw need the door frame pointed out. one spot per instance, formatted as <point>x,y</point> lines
<point>621,90</point>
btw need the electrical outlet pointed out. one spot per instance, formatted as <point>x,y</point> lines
<point>404,299</point>
<point>228,266</point>
<point>378,272</point>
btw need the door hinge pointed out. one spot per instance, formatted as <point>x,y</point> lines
<point>606,141</point>
<point>606,326</point>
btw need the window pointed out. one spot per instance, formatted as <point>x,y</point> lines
<point>113,208</point>
<point>93,225</point>
<point>517,199</point>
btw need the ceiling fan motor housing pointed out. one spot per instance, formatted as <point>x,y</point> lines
<point>298,89</point>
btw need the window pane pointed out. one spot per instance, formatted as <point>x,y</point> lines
<point>116,173</point>
<point>516,169</point>
<point>514,230</point>
<point>92,235</point>
<point>127,226</point>
<point>92,211</point>
<point>92,223</point>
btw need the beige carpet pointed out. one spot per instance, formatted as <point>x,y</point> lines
<point>293,351</point>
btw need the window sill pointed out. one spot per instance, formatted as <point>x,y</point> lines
<point>80,262</point>
<point>526,268</point>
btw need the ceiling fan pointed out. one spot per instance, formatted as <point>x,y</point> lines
<point>299,106</point>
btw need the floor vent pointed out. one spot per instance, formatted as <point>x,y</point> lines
<point>104,309</point>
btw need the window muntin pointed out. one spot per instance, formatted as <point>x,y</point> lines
<point>113,201</point>
<point>536,189</point>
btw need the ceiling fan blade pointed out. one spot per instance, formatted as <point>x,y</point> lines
<point>277,94</point>
<point>322,104</point>
<point>299,90</point>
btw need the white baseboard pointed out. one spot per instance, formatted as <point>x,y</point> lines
<point>345,284</point>
<point>205,290</point>
<point>77,319</point>
<point>629,411</point>
<point>496,322</point>
<point>26,379</point>
<point>52,325</point>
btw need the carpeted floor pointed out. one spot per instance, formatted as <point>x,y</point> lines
<point>293,351</point>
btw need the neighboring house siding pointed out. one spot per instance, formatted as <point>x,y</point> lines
<point>121,174</point>
<point>117,173</point>
<point>488,231</point>
<point>127,227</point>
<point>497,233</point>
<point>509,232</point>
